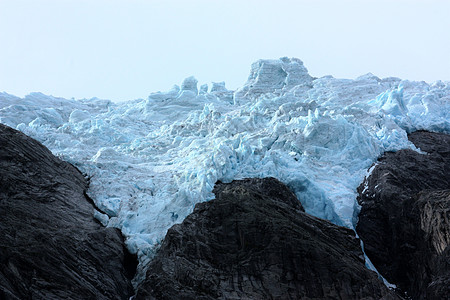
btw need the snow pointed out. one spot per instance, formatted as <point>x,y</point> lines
<point>151,160</point>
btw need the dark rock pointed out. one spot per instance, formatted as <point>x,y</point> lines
<point>50,245</point>
<point>254,241</point>
<point>405,217</point>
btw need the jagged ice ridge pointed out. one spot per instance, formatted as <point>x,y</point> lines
<point>150,161</point>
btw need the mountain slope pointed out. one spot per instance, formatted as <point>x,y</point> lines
<point>405,216</point>
<point>151,160</point>
<point>51,247</point>
<point>254,241</point>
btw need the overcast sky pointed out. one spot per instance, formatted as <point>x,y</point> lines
<point>123,50</point>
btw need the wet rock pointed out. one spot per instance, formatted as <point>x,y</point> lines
<point>50,245</point>
<point>405,217</point>
<point>254,241</point>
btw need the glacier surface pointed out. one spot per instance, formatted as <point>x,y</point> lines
<point>150,161</point>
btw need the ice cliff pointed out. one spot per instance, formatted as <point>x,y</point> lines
<point>150,161</point>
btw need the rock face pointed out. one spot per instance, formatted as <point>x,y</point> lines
<point>405,217</point>
<point>50,245</point>
<point>254,241</point>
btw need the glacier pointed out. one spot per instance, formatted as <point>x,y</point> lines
<point>151,160</point>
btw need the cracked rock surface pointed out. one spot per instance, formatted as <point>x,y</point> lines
<point>50,245</point>
<point>405,217</point>
<point>254,241</point>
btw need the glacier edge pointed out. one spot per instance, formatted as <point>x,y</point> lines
<point>151,160</point>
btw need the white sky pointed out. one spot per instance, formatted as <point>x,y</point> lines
<point>123,50</point>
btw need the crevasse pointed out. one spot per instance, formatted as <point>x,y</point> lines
<point>150,161</point>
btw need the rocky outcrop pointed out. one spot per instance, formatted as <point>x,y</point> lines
<point>405,217</point>
<point>254,241</point>
<point>50,245</point>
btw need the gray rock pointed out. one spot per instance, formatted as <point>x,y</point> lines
<point>405,217</point>
<point>254,241</point>
<point>50,245</point>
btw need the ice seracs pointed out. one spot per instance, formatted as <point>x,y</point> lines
<point>152,159</point>
<point>273,76</point>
